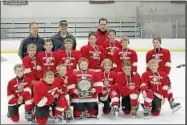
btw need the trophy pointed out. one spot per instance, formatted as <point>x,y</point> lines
<point>84,88</point>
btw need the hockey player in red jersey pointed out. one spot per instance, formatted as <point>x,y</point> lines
<point>19,92</point>
<point>109,96</point>
<point>164,58</point>
<point>111,47</point>
<point>86,89</point>
<point>47,59</point>
<point>31,64</point>
<point>50,96</point>
<point>68,56</point>
<point>154,87</point>
<point>94,53</point>
<point>68,78</point>
<point>128,85</point>
<point>126,54</point>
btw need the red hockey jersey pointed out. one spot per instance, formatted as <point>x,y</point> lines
<point>47,61</point>
<point>69,59</point>
<point>163,55</point>
<point>48,91</point>
<point>124,82</point>
<point>95,55</point>
<point>111,49</point>
<point>157,82</point>
<point>109,80</point>
<point>88,76</point>
<point>31,67</point>
<point>127,54</point>
<point>101,37</point>
<point>15,88</point>
<point>68,80</point>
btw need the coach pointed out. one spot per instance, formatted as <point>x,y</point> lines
<point>32,38</point>
<point>58,39</point>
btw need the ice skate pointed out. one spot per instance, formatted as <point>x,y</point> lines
<point>174,106</point>
<point>115,110</point>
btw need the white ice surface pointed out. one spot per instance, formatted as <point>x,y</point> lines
<point>166,117</point>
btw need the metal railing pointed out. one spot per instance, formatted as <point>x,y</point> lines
<point>130,27</point>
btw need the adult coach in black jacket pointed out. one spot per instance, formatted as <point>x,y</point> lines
<point>32,38</point>
<point>58,39</point>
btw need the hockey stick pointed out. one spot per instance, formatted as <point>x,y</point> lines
<point>181,65</point>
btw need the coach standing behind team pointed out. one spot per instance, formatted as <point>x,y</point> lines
<point>33,38</point>
<point>58,39</point>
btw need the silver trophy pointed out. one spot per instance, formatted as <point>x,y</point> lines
<point>84,88</point>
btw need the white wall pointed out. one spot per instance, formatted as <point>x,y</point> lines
<point>8,46</point>
<point>69,9</point>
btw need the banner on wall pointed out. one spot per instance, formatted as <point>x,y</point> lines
<point>15,2</point>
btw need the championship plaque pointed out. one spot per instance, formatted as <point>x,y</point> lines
<point>84,88</point>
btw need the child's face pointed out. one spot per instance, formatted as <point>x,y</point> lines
<point>153,67</point>
<point>32,52</point>
<point>92,39</point>
<point>62,71</point>
<point>107,66</point>
<point>83,65</point>
<point>127,70</point>
<point>68,45</point>
<point>19,72</point>
<point>48,46</point>
<point>112,36</point>
<point>124,43</point>
<point>49,79</point>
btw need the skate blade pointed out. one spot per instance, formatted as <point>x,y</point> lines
<point>116,114</point>
<point>176,109</point>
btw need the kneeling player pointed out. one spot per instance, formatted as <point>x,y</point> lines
<point>154,86</point>
<point>48,97</point>
<point>19,92</point>
<point>85,92</point>
<point>109,95</point>
<point>128,84</point>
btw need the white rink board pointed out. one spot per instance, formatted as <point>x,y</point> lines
<point>137,44</point>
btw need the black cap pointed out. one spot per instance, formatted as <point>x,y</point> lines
<point>63,22</point>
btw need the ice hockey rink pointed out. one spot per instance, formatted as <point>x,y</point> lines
<point>177,76</point>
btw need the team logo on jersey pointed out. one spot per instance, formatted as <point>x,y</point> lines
<point>48,61</point>
<point>106,82</point>
<point>112,50</point>
<point>155,79</point>
<point>95,54</point>
<point>157,57</point>
<point>67,61</point>
<point>20,87</point>
<point>124,55</point>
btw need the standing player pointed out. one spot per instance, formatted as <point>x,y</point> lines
<point>128,85</point>
<point>68,56</point>
<point>86,89</point>
<point>154,88</point>
<point>94,53</point>
<point>111,47</point>
<point>109,95</point>
<point>163,56</point>
<point>31,64</point>
<point>126,54</point>
<point>49,96</point>
<point>47,59</point>
<point>19,92</point>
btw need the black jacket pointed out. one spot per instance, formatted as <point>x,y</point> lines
<point>39,42</point>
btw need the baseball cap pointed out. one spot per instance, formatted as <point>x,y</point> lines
<point>63,22</point>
